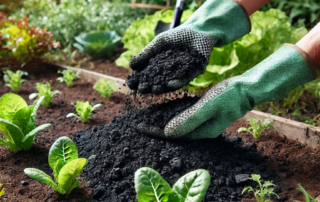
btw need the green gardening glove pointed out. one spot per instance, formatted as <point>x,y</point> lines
<point>232,98</point>
<point>215,23</point>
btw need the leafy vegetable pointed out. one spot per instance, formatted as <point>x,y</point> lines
<point>104,87</point>
<point>68,77</point>
<point>1,190</point>
<point>256,127</point>
<point>307,196</point>
<point>14,79</point>
<point>84,110</point>
<point>66,166</point>
<point>150,186</point>
<point>266,189</point>
<point>17,122</point>
<point>44,89</point>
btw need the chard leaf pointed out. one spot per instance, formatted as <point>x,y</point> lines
<point>29,138</point>
<point>11,146</point>
<point>62,152</point>
<point>150,186</point>
<point>22,117</point>
<point>10,103</point>
<point>193,186</point>
<point>11,131</point>
<point>32,120</point>
<point>69,172</point>
<point>39,175</point>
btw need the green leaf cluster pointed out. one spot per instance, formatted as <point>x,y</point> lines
<point>84,111</point>
<point>144,28</point>
<point>66,166</point>
<point>264,192</point>
<point>151,187</point>
<point>104,87</point>
<point>14,79</point>
<point>17,122</point>
<point>256,127</point>
<point>68,76</point>
<point>44,89</point>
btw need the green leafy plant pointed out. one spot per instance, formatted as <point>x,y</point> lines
<point>1,190</point>
<point>308,120</point>
<point>104,87</point>
<point>17,122</point>
<point>256,127</point>
<point>44,89</point>
<point>66,166</point>
<point>307,196</point>
<point>150,186</point>
<point>264,192</point>
<point>14,79</point>
<point>84,110</point>
<point>68,76</point>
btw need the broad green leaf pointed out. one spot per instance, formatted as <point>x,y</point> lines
<point>151,187</point>
<point>10,103</point>
<point>193,186</point>
<point>69,172</point>
<point>11,131</point>
<point>22,117</point>
<point>39,175</point>
<point>62,152</point>
<point>29,138</point>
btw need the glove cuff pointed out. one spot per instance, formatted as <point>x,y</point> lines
<point>306,57</point>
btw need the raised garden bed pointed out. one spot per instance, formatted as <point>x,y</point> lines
<point>117,150</point>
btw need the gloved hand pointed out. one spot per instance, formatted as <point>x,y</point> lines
<point>215,23</point>
<point>273,78</point>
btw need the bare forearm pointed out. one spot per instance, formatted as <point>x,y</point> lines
<point>252,6</point>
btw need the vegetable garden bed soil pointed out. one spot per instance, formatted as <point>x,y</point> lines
<point>294,162</point>
<point>12,164</point>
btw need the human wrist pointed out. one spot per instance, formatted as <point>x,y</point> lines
<point>251,6</point>
<point>310,44</point>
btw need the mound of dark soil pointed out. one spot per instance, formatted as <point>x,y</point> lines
<point>116,150</point>
<point>167,71</point>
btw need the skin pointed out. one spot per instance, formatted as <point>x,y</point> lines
<point>252,6</point>
<point>310,44</point>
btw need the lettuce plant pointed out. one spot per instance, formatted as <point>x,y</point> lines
<point>150,186</point>
<point>18,122</point>
<point>264,192</point>
<point>44,89</point>
<point>14,79</point>
<point>104,87</point>
<point>84,110</point>
<point>256,127</point>
<point>66,166</point>
<point>1,190</point>
<point>68,77</point>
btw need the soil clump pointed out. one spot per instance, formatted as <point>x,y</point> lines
<point>165,69</point>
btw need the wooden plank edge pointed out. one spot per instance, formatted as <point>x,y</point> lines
<point>92,76</point>
<point>294,130</point>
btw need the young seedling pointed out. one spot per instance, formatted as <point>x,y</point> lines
<point>1,190</point>
<point>66,166</point>
<point>18,122</point>
<point>104,87</point>
<point>68,76</point>
<point>307,196</point>
<point>14,79</point>
<point>150,186</point>
<point>256,127</point>
<point>44,89</point>
<point>84,110</point>
<point>264,192</point>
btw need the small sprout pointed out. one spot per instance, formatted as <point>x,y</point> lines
<point>68,76</point>
<point>44,89</point>
<point>1,190</point>
<point>257,128</point>
<point>104,87</point>
<point>14,79</point>
<point>66,166</point>
<point>84,110</point>
<point>307,196</point>
<point>266,190</point>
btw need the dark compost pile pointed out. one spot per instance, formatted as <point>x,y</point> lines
<point>164,69</point>
<point>116,150</point>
